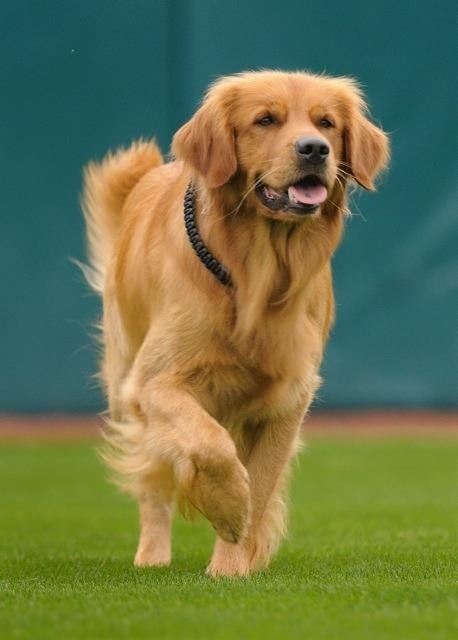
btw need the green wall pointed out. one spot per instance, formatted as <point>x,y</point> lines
<point>77,78</point>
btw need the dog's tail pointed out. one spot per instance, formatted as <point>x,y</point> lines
<point>106,187</point>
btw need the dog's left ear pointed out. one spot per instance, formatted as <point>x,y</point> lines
<point>207,143</point>
<point>366,150</point>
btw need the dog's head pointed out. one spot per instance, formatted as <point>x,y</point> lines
<point>292,138</point>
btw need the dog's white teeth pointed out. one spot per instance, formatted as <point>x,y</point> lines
<point>292,196</point>
<point>271,193</point>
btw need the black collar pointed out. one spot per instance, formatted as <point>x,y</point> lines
<point>205,256</point>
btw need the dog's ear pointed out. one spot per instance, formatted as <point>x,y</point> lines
<point>366,150</point>
<point>207,143</point>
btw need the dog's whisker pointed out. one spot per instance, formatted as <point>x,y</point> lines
<point>236,210</point>
<point>257,182</point>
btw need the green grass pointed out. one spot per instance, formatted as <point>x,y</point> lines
<point>370,553</point>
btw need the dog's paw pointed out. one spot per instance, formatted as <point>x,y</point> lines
<point>229,560</point>
<point>224,496</point>
<point>152,557</point>
<point>220,490</point>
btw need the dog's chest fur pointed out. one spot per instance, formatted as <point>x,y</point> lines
<point>243,379</point>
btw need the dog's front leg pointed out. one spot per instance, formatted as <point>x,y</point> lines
<point>267,465</point>
<point>203,455</point>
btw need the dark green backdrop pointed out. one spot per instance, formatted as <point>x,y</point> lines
<point>79,77</point>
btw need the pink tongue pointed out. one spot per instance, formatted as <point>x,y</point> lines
<point>308,195</point>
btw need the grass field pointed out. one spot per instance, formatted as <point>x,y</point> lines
<point>370,553</point>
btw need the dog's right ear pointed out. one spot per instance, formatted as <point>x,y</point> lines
<point>366,151</point>
<point>207,144</point>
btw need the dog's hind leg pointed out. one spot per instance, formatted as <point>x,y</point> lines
<point>156,506</point>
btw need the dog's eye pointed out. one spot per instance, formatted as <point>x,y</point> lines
<point>266,121</point>
<point>325,123</point>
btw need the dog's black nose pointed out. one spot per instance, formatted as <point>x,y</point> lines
<point>315,150</point>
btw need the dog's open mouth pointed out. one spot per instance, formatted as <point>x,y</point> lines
<point>304,196</point>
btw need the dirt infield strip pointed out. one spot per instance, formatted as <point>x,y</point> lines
<point>318,424</point>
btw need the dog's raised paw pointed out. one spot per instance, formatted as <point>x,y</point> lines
<point>220,490</point>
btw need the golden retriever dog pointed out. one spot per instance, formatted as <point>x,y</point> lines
<point>217,300</point>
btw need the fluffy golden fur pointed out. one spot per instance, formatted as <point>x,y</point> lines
<point>208,385</point>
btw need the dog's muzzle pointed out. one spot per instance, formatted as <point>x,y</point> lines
<point>302,197</point>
